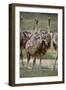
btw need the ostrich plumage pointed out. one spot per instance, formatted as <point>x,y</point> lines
<point>37,45</point>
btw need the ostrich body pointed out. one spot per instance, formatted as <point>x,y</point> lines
<point>55,41</point>
<point>38,45</point>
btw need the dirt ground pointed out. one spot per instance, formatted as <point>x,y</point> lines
<point>45,69</point>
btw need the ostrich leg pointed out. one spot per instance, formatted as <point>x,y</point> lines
<point>40,59</point>
<point>34,61</point>
<point>21,55</point>
<point>56,60</point>
<point>28,58</point>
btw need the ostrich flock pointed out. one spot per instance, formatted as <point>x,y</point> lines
<point>37,44</point>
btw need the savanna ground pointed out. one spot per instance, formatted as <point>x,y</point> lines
<point>28,24</point>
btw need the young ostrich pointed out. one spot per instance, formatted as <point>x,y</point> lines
<point>38,44</point>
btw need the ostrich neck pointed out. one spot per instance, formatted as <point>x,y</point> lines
<point>48,25</point>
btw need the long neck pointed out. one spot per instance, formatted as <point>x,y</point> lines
<point>36,24</point>
<point>49,25</point>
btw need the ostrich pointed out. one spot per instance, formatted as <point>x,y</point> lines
<point>38,44</point>
<point>55,45</point>
<point>24,37</point>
